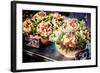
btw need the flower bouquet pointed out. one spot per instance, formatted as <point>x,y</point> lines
<point>69,34</point>
<point>71,37</point>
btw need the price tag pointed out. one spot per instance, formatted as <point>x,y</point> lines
<point>84,54</point>
<point>33,42</point>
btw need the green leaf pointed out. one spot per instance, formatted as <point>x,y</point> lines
<point>34,31</point>
<point>57,38</point>
<point>35,22</point>
<point>82,24</point>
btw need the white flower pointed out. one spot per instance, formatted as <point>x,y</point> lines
<point>70,24</point>
<point>27,26</point>
<point>69,40</point>
<point>44,28</point>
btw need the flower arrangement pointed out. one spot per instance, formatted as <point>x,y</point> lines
<point>69,34</point>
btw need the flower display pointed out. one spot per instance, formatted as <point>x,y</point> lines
<point>70,34</point>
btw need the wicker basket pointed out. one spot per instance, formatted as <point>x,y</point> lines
<point>66,53</point>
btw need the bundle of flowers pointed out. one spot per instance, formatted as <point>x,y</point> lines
<point>70,34</point>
